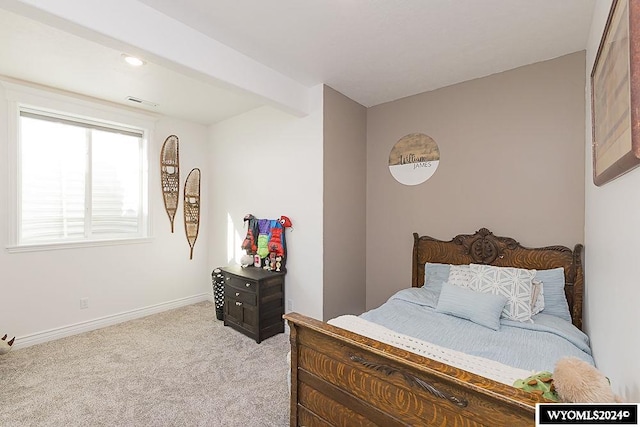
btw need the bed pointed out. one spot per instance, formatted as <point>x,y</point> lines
<point>343,378</point>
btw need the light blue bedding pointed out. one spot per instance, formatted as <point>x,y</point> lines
<point>533,346</point>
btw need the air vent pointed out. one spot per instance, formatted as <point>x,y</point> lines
<point>141,101</point>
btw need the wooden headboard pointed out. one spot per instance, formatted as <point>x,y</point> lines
<point>485,248</point>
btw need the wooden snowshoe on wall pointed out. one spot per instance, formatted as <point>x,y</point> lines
<point>192,207</point>
<point>170,175</point>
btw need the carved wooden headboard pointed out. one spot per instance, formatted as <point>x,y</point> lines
<point>485,248</point>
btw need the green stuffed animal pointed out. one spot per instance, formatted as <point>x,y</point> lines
<point>540,383</point>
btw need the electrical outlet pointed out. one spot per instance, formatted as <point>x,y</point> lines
<point>289,305</point>
<point>84,303</point>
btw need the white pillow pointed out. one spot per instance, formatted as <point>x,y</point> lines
<point>513,283</point>
<point>460,275</point>
<point>537,297</point>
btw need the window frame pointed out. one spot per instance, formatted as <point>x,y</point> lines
<point>83,109</point>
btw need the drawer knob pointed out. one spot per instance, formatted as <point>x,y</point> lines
<point>238,303</point>
<point>237,294</point>
<point>247,284</point>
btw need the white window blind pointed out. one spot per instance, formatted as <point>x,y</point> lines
<point>79,180</point>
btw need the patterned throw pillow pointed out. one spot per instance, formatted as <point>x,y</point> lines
<point>460,275</point>
<point>513,283</point>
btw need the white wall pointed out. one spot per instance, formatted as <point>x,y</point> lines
<point>611,257</point>
<point>269,163</point>
<point>40,291</point>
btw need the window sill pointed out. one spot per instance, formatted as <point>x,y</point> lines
<point>75,245</point>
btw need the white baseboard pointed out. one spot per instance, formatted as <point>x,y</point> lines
<point>90,325</point>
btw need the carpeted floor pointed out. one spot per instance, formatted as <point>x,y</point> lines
<point>177,368</point>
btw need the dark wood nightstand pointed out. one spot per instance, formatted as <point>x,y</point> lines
<point>254,301</point>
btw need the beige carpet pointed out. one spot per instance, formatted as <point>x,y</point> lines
<point>177,368</point>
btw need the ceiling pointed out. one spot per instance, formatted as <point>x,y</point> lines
<point>52,57</point>
<point>373,51</point>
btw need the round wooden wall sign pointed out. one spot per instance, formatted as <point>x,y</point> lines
<point>414,158</point>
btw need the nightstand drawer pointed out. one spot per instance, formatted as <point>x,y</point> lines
<point>240,295</point>
<point>240,283</point>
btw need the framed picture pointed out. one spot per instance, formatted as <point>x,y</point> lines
<point>615,94</point>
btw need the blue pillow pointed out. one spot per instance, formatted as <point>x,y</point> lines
<point>555,300</point>
<point>435,275</point>
<point>479,307</point>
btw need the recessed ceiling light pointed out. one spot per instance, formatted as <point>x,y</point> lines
<point>132,60</point>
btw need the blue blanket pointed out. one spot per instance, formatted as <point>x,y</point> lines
<point>535,346</point>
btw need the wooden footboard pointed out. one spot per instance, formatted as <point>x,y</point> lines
<point>339,378</point>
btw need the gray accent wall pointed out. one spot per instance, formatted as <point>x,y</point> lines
<point>512,159</point>
<point>344,201</point>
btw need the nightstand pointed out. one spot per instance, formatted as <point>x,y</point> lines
<point>254,301</point>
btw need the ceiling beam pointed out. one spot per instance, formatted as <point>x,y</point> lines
<point>141,30</point>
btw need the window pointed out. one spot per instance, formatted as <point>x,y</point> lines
<point>79,179</point>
